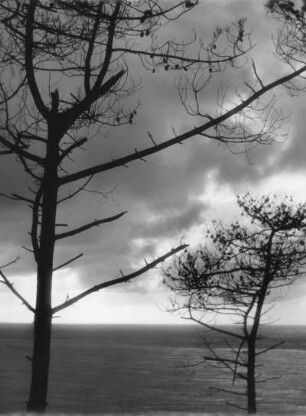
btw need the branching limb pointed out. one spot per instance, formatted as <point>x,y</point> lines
<point>238,356</point>
<point>16,197</point>
<point>87,71</point>
<point>88,226</point>
<point>19,151</point>
<point>267,379</point>
<point>270,348</point>
<point>256,74</point>
<point>222,360</point>
<point>15,292</point>
<point>6,152</point>
<point>179,139</point>
<point>69,149</point>
<point>73,194</point>
<point>237,393</point>
<point>216,328</point>
<point>10,263</point>
<point>109,47</point>
<point>236,406</point>
<point>68,262</point>
<point>123,279</point>
<point>29,59</point>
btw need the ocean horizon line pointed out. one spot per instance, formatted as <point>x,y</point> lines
<point>185,325</point>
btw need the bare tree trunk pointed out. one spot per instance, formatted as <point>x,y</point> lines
<point>251,385</point>
<point>44,256</point>
<point>41,351</point>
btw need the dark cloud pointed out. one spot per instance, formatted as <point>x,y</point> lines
<point>172,221</point>
<point>163,195</point>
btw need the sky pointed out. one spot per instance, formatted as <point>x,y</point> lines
<point>168,199</point>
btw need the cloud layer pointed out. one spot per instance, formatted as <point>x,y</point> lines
<point>163,196</point>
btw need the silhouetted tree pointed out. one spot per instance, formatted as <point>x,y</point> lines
<point>239,272</point>
<point>46,117</point>
<point>290,39</point>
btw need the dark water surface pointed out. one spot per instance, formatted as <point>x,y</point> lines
<point>147,369</point>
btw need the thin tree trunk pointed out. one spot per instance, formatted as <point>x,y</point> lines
<point>251,382</point>
<point>43,316</point>
<point>41,351</point>
<point>251,385</point>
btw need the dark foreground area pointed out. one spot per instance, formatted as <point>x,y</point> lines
<point>147,369</point>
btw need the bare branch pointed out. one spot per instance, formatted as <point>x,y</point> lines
<point>87,71</point>
<point>73,146</point>
<point>15,292</point>
<point>18,150</point>
<point>216,328</point>
<point>68,262</point>
<point>270,348</point>
<point>179,139</point>
<point>10,263</point>
<point>16,197</point>
<point>73,194</point>
<point>29,60</point>
<point>123,279</point>
<point>256,74</point>
<point>237,393</point>
<point>88,226</point>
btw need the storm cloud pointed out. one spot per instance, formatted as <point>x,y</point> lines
<point>163,196</point>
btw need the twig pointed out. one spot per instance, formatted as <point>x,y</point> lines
<point>68,262</point>
<point>16,293</point>
<point>227,391</point>
<point>89,225</point>
<point>270,348</point>
<point>124,278</point>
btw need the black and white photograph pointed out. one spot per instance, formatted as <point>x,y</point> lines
<point>153,207</point>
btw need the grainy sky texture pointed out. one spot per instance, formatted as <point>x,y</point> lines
<point>170,197</point>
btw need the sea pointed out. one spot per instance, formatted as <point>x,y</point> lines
<point>150,370</point>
